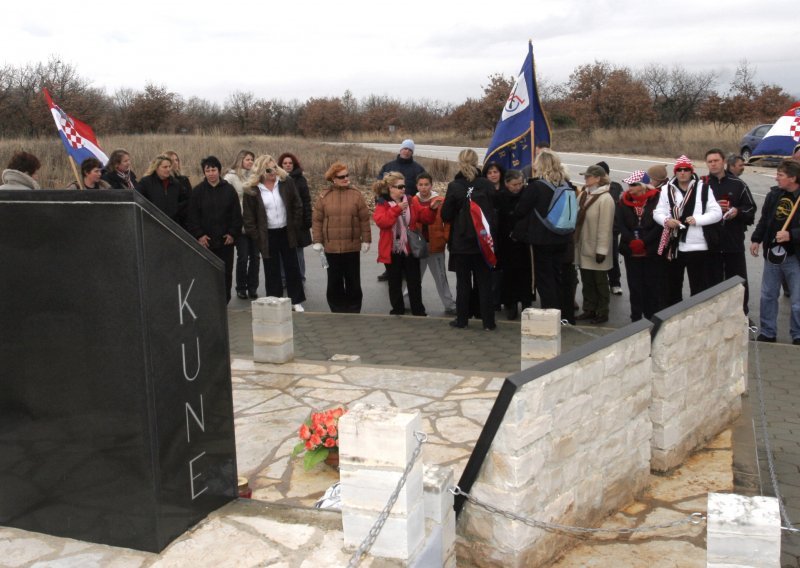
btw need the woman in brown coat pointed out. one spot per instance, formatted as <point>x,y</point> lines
<point>340,228</point>
<point>273,214</point>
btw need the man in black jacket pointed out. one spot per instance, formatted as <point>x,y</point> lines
<point>738,212</point>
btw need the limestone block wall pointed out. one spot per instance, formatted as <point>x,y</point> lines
<point>273,333</point>
<point>699,357</point>
<point>572,447</point>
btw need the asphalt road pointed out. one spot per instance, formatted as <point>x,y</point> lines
<point>376,300</point>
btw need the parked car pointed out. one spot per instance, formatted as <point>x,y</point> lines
<point>751,139</point>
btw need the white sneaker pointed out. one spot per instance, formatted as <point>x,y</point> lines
<point>616,290</point>
<point>298,308</point>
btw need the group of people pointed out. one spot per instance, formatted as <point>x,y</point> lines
<point>494,223</point>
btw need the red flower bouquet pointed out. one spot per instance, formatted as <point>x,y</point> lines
<point>319,436</point>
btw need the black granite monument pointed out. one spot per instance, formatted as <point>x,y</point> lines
<point>116,411</point>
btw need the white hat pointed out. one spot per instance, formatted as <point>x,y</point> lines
<point>407,143</point>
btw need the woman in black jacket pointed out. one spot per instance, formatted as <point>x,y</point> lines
<point>639,238</point>
<point>215,216</point>
<point>513,256</point>
<point>163,190</point>
<point>291,164</point>
<point>465,251</point>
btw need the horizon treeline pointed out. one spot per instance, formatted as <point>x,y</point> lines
<point>596,95</point>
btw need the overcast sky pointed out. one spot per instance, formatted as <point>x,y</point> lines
<point>439,50</point>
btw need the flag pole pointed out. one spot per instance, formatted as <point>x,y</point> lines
<point>533,128</point>
<point>75,171</point>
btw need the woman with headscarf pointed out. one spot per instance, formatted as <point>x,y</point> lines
<point>247,265</point>
<point>471,251</point>
<point>593,248</point>
<point>272,214</point>
<point>639,237</point>
<point>291,164</point>
<point>215,217</point>
<point>118,170</point>
<point>163,190</point>
<point>396,215</point>
<point>340,229</point>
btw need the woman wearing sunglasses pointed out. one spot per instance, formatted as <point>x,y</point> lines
<point>340,228</point>
<point>395,215</point>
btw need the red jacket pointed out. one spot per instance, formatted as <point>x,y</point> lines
<point>385,217</point>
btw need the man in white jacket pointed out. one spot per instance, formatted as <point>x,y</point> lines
<point>685,206</point>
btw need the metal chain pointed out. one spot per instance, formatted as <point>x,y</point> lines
<point>373,533</point>
<point>693,519</point>
<point>773,476</point>
<point>565,323</point>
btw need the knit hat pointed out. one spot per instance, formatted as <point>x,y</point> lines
<point>657,173</point>
<point>604,166</point>
<point>639,177</point>
<point>407,143</point>
<point>595,171</point>
<point>683,162</point>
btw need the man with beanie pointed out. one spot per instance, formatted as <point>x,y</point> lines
<point>658,175</point>
<point>405,164</point>
<point>614,275</point>
<point>738,212</point>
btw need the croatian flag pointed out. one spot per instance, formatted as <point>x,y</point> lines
<point>511,143</point>
<point>782,138</point>
<point>483,230</point>
<point>78,138</point>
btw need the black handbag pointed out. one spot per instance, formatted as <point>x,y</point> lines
<point>416,242</point>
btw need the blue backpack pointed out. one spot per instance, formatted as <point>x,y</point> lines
<point>562,213</point>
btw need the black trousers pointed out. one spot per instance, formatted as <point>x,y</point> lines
<point>547,273</point>
<point>469,266</point>
<point>518,277</point>
<point>566,295</point>
<point>280,253</point>
<point>407,266</point>
<point>225,253</point>
<point>696,265</point>
<point>724,265</point>
<point>645,279</point>
<point>344,282</point>
<point>614,273</point>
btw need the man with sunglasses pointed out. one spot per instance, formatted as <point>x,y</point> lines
<point>405,164</point>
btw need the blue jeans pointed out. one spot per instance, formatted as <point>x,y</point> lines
<point>771,292</point>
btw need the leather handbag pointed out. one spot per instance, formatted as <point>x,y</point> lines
<point>416,242</point>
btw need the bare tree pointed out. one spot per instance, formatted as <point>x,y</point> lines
<point>677,94</point>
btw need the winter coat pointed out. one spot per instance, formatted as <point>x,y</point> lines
<point>214,212</point>
<point>738,194</point>
<point>594,235</point>
<point>102,184</point>
<point>767,225</point>
<point>340,220</point>
<point>528,228</point>
<point>254,214</point>
<point>172,200</point>
<point>409,168</point>
<point>455,210</point>
<point>630,227</point>
<point>385,217</point>
<point>304,231</point>
<point>115,181</point>
<point>236,182</point>
<point>15,179</point>
<point>438,231</point>
<point>692,238</point>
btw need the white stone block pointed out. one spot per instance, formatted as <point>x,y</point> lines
<point>272,333</point>
<point>743,531</point>
<point>513,471</point>
<point>437,481</point>
<point>667,436</point>
<point>540,349</point>
<point>401,537</point>
<point>369,489</point>
<point>512,438</point>
<point>544,323</point>
<point>272,310</point>
<point>377,436</point>
<point>350,359</point>
<point>273,353</point>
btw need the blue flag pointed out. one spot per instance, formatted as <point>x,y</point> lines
<point>511,143</point>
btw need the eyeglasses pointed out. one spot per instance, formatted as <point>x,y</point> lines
<point>683,170</point>
<point>269,171</point>
<point>401,186</point>
<point>343,176</point>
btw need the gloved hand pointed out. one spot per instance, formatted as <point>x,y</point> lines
<point>364,248</point>
<point>599,258</point>
<point>317,247</point>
